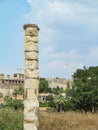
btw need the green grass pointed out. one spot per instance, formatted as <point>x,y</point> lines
<point>11,120</point>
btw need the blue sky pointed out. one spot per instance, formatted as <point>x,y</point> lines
<point>68,36</point>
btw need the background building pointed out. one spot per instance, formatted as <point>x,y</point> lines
<point>8,83</point>
<point>58,82</point>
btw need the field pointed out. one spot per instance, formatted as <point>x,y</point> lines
<point>68,121</point>
<point>13,120</point>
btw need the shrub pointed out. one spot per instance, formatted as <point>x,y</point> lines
<point>11,120</point>
<point>13,103</point>
<point>43,104</point>
<point>17,104</point>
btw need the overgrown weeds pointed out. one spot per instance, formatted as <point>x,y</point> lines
<point>13,120</point>
<point>68,121</point>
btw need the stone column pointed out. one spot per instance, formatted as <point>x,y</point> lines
<point>31,103</point>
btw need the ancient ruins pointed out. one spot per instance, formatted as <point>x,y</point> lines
<point>8,83</point>
<point>31,84</point>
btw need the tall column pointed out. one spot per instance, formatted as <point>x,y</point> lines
<point>31,103</point>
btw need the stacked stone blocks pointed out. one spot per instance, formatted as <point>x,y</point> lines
<point>31,77</point>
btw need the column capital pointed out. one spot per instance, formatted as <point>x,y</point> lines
<point>30,25</point>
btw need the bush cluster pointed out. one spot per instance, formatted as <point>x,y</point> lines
<point>11,120</point>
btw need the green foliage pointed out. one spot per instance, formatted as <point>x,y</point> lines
<point>67,91</point>
<point>13,103</point>
<point>21,90</point>
<point>57,90</point>
<point>7,99</point>
<point>52,104</point>
<point>43,104</point>
<point>17,104</point>
<point>44,87</point>
<point>1,95</point>
<point>11,120</point>
<point>84,93</point>
<point>59,100</point>
<point>68,105</point>
<point>17,91</point>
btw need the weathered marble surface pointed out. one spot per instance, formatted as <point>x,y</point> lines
<point>31,85</point>
<point>32,73</point>
<point>31,55</point>
<point>31,94</point>
<point>31,39</point>
<point>31,64</point>
<point>31,46</point>
<point>31,31</point>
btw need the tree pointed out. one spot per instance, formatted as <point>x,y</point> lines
<point>57,90</point>
<point>13,103</point>
<point>67,90</point>
<point>85,89</point>
<point>21,90</point>
<point>17,91</point>
<point>17,104</point>
<point>44,87</point>
<point>7,99</point>
<point>59,101</point>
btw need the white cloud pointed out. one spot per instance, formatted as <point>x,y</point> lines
<point>58,65</point>
<point>51,15</point>
<point>57,20</point>
<point>46,35</point>
<point>29,1</point>
<point>62,65</point>
<point>63,68</point>
<point>70,61</point>
<point>51,11</point>
<point>50,52</point>
<point>63,16</point>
